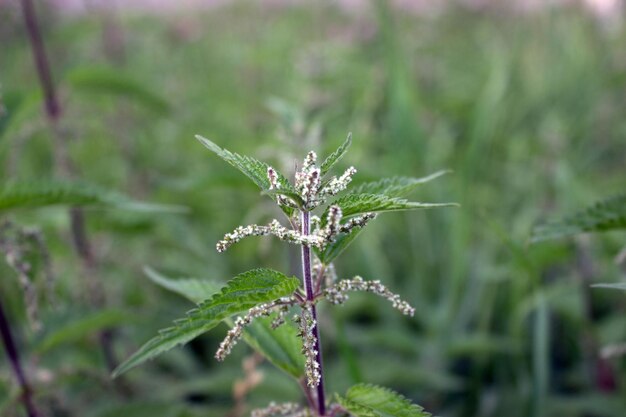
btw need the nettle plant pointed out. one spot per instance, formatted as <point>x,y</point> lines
<point>265,297</point>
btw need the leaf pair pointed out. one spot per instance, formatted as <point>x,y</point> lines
<point>372,197</point>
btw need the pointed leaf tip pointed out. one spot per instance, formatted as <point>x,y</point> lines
<point>241,293</point>
<point>337,155</point>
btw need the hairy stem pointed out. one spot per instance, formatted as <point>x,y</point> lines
<point>310,296</point>
<point>14,359</point>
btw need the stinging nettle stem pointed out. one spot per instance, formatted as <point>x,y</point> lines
<point>310,295</point>
<point>14,359</point>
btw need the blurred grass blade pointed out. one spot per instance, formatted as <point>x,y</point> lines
<point>605,215</point>
<point>29,195</point>
<point>620,286</point>
<point>243,292</point>
<point>109,81</point>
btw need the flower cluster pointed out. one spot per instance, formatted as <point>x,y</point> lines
<point>234,334</point>
<point>336,185</point>
<point>337,293</point>
<point>283,410</point>
<point>308,181</point>
<point>309,186</point>
<point>272,176</point>
<point>273,228</point>
<point>311,192</point>
<point>307,324</point>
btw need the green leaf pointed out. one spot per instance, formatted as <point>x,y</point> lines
<point>396,186</point>
<point>277,345</point>
<point>251,168</point>
<point>280,346</point>
<point>606,215</point>
<point>291,194</point>
<point>334,249</point>
<point>336,156</point>
<point>355,204</point>
<point>619,286</point>
<point>45,193</point>
<point>112,82</point>
<point>241,293</point>
<point>81,328</point>
<point>366,400</point>
<point>194,289</point>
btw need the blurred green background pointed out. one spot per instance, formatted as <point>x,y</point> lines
<point>526,106</point>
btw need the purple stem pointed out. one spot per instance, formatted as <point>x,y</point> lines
<point>14,359</point>
<point>64,165</point>
<point>310,296</point>
<point>53,108</point>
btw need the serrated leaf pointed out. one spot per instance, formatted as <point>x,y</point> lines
<point>277,345</point>
<point>251,168</point>
<point>336,156</point>
<point>366,400</point>
<point>111,81</point>
<point>241,293</point>
<point>396,186</point>
<point>355,204</point>
<point>619,286</point>
<point>606,215</point>
<point>194,289</point>
<point>15,196</point>
<point>355,409</point>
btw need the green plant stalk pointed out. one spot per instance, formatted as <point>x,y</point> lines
<point>14,359</point>
<point>310,295</point>
<point>63,163</point>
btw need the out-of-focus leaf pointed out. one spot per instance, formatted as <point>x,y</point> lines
<point>241,293</point>
<point>194,289</point>
<point>110,81</point>
<point>606,215</point>
<point>81,328</point>
<point>16,195</point>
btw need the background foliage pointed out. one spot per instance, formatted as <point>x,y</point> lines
<point>526,109</point>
